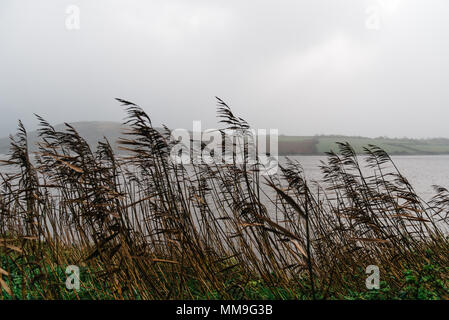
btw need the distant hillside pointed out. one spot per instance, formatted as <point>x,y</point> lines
<point>92,131</point>
<point>288,145</point>
<point>320,144</point>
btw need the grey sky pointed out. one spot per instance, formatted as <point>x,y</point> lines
<point>305,67</point>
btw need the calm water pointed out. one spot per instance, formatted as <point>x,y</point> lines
<point>421,171</point>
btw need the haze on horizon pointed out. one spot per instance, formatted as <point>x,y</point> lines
<point>367,68</point>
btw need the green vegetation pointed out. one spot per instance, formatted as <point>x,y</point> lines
<point>143,227</point>
<point>429,282</point>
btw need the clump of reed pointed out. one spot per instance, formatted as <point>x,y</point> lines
<point>142,227</point>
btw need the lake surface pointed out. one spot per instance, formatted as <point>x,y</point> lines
<point>422,171</point>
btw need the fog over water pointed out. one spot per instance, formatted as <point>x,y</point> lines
<point>353,67</point>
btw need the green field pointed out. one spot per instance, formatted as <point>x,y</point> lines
<point>324,144</point>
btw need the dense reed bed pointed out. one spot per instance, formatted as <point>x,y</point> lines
<point>142,227</point>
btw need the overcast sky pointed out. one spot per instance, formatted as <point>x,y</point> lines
<point>353,67</point>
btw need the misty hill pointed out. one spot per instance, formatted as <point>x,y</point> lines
<point>92,131</point>
<point>288,145</point>
<point>317,145</point>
